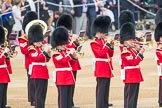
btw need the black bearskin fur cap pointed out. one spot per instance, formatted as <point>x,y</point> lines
<point>59,36</point>
<point>126,16</point>
<point>2,35</point>
<point>127,32</point>
<point>101,24</point>
<point>29,16</point>
<point>158,32</point>
<point>158,17</point>
<point>66,21</point>
<point>35,34</point>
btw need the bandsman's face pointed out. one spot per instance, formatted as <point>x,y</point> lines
<point>61,47</point>
<point>37,44</point>
<point>160,39</point>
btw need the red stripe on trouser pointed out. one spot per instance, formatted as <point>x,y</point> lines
<point>36,105</point>
<point>60,97</point>
<point>128,96</point>
<point>98,91</point>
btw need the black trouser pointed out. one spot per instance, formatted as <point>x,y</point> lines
<point>3,94</point>
<point>64,96</point>
<point>102,92</point>
<point>40,86</point>
<point>31,90</point>
<point>131,95</point>
<point>73,87</point>
<point>160,91</point>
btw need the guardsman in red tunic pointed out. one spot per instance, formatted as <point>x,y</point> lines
<point>131,56</point>
<point>63,74</point>
<point>39,56</point>
<point>158,39</point>
<point>23,43</point>
<point>102,61</point>
<point>66,21</point>
<point>5,70</point>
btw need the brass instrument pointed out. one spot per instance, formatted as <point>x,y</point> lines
<point>12,53</point>
<point>36,22</point>
<point>146,39</point>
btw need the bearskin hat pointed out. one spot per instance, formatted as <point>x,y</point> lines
<point>158,17</point>
<point>127,32</point>
<point>101,24</point>
<point>29,16</point>
<point>126,16</point>
<point>2,35</point>
<point>35,34</point>
<point>66,21</point>
<point>59,37</point>
<point>158,32</point>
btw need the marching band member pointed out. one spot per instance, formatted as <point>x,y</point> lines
<point>158,39</point>
<point>63,74</point>
<point>38,56</point>
<point>72,44</point>
<point>5,69</point>
<point>125,17</point>
<point>103,53</point>
<point>131,56</point>
<point>23,43</point>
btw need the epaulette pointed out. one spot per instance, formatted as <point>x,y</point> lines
<point>24,37</point>
<point>125,51</point>
<point>30,48</point>
<point>93,41</point>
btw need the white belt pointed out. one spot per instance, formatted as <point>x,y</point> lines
<point>63,69</point>
<point>131,67</point>
<point>33,64</point>
<point>122,71</point>
<point>3,66</point>
<point>99,59</point>
<point>38,63</point>
<point>159,70</point>
<point>60,69</point>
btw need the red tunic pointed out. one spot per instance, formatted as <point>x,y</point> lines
<point>130,62</point>
<point>74,63</point>
<point>38,63</point>
<point>102,61</point>
<point>5,68</point>
<point>63,69</point>
<point>159,58</point>
<point>23,42</point>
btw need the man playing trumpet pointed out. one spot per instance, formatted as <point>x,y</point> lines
<point>130,58</point>
<point>5,69</point>
<point>158,39</point>
<point>66,21</point>
<point>63,74</point>
<point>103,52</point>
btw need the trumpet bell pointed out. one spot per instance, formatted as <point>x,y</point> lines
<point>36,22</point>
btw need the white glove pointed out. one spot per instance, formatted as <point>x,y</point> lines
<point>47,48</point>
<point>6,50</point>
<point>74,37</point>
<point>72,51</point>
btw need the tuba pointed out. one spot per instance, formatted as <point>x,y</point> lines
<point>36,22</point>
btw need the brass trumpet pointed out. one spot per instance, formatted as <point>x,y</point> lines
<point>12,53</point>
